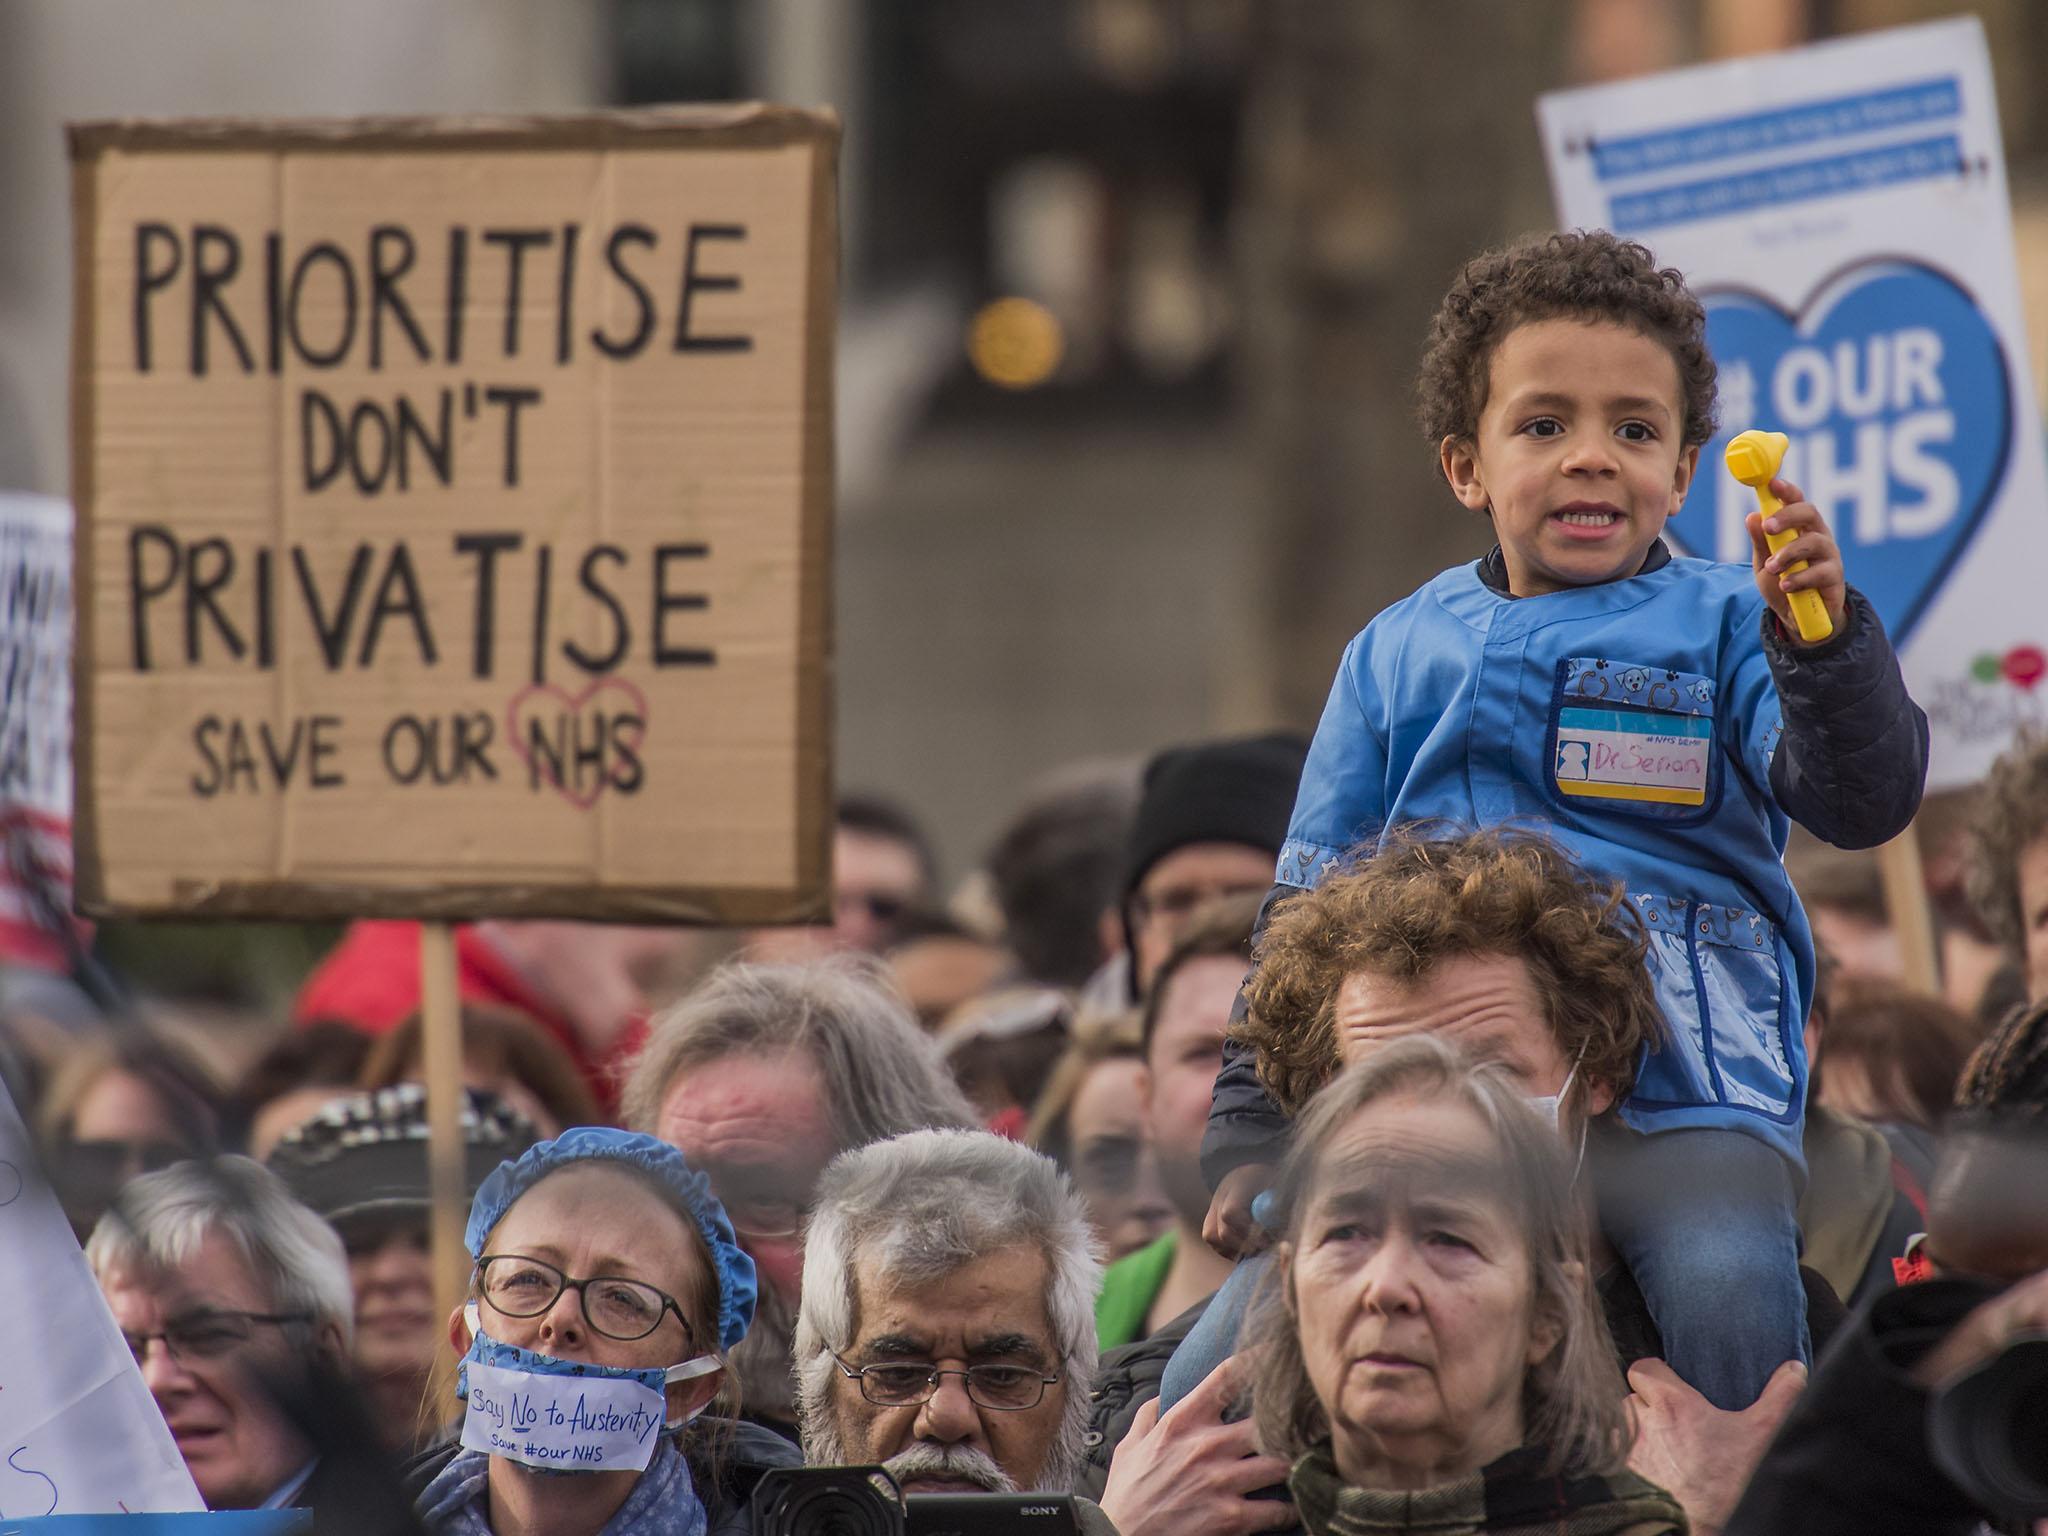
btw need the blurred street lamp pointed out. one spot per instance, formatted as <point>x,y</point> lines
<point>1015,343</point>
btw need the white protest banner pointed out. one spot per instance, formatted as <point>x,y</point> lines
<point>79,1432</point>
<point>1841,211</point>
<point>35,728</point>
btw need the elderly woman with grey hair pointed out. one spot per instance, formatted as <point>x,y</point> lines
<point>1430,1356</point>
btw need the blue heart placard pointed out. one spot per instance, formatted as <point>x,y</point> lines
<point>1895,393</point>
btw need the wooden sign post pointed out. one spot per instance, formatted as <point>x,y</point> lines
<point>1912,915</point>
<point>441,1050</point>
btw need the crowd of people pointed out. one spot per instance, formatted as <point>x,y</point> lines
<point>802,1173</point>
<point>1333,1136</point>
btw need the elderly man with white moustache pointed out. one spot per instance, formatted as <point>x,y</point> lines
<point>947,1333</point>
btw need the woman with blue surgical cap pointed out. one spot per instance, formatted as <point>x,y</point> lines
<point>607,1294</point>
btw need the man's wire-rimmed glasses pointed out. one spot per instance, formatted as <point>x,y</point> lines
<point>907,1383</point>
<point>208,1335</point>
<point>615,1306</point>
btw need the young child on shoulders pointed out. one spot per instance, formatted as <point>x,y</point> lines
<point>1661,717</point>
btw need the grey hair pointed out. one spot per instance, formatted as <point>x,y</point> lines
<point>161,1218</point>
<point>1572,1399</point>
<point>924,1205</point>
<point>882,1074</point>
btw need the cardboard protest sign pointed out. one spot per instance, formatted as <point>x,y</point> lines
<point>79,1433</point>
<point>454,505</point>
<point>35,729</point>
<point>1841,210</point>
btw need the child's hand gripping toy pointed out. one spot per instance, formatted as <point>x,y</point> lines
<point>1753,458</point>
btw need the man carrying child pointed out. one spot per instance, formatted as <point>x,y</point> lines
<point>1661,717</point>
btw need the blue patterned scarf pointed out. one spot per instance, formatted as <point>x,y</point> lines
<point>663,1503</point>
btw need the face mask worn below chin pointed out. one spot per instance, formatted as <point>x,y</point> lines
<point>565,1415</point>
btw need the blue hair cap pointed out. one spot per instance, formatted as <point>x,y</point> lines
<point>601,1144</point>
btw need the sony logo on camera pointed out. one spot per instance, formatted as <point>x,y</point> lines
<point>865,1501</point>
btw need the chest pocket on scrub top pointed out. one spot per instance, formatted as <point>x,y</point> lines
<point>1633,739</point>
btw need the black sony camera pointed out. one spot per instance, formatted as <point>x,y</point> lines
<point>1989,1430</point>
<point>865,1501</point>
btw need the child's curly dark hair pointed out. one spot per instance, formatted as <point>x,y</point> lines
<point>1580,275</point>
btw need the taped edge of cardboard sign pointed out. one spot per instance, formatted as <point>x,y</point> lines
<point>737,125</point>
<point>322,900</point>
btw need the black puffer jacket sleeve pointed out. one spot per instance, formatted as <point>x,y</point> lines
<point>1127,1379</point>
<point>1852,763</point>
<point>1245,1125</point>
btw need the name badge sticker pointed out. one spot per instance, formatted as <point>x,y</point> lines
<point>1607,754</point>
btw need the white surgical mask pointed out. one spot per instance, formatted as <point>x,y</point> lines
<point>1550,1107</point>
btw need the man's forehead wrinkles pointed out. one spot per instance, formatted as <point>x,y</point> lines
<point>1486,1026</point>
<point>739,1143</point>
<point>1443,986</point>
<point>738,1113</point>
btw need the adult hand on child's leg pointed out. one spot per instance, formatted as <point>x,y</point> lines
<point>1229,1227</point>
<point>1191,1474</point>
<point>1699,1454</point>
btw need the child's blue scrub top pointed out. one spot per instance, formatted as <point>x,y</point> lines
<point>1635,722</point>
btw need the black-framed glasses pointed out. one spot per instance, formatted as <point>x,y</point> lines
<point>906,1383</point>
<point>768,1216</point>
<point>759,1198</point>
<point>208,1335</point>
<point>616,1307</point>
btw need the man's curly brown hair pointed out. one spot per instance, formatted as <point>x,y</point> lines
<point>2011,817</point>
<point>1579,275</point>
<point>1423,900</point>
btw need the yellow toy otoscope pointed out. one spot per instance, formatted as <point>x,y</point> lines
<point>1753,458</point>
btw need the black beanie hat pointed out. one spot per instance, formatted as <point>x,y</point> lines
<point>1236,791</point>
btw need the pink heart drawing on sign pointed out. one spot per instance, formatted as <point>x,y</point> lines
<point>626,725</point>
